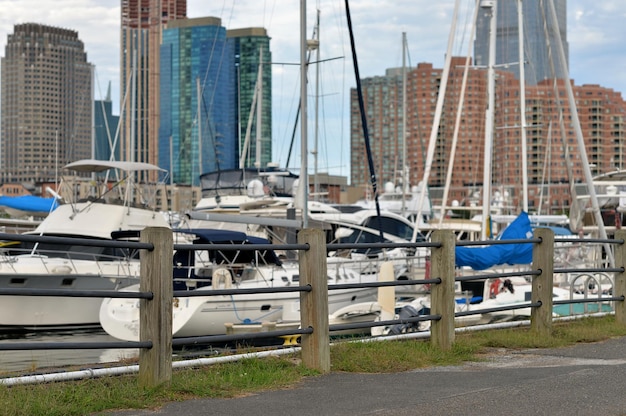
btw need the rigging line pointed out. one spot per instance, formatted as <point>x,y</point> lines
<point>559,106</point>
<point>198,117</point>
<point>527,50</point>
<point>337,12</point>
<point>437,120</point>
<point>463,31</point>
<point>370,161</point>
<point>457,124</point>
<point>212,131</point>
<point>324,131</point>
<point>295,125</point>
<point>289,115</point>
<point>206,75</point>
<point>106,120</point>
<point>544,170</point>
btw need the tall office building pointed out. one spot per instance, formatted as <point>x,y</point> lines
<point>252,49</point>
<point>142,24</point>
<point>107,145</point>
<point>540,41</point>
<point>198,131</point>
<point>47,103</point>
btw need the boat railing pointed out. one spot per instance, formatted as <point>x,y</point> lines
<point>99,260</point>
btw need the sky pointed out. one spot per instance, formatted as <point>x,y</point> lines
<point>596,33</point>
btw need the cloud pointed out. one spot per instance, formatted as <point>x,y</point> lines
<point>596,34</point>
<point>97,24</point>
<point>596,31</point>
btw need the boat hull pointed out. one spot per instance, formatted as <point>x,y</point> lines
<point>20,312</point>
<point>209,315</point>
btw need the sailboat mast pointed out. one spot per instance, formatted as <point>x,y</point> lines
<point>405,173</point>
<point>457,123</point>
<point>246,143</point>
<point>579,137</point>
<point>489,123</point>
<point>437,119</point>
<point>316,45</point>
<point>304,176</point>
<point>259,112</point>
<point>199,121</point>
<point>522,88</point>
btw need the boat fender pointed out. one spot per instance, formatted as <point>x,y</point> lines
<point>494,288</point>
<point>221,279</point>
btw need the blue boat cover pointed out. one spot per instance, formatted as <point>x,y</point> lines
<point>29,203</point>
<point>480,258</point>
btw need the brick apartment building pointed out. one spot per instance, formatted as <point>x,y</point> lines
<point>601,112</point>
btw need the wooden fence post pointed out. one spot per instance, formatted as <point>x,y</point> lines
<point>442,295</point>
<point>542,286</point>
<point>314,304</point>
<point>619,284</point>
<point>155,324</point>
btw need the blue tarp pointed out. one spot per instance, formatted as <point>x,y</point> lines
<point>480,258</point>
<point>29,203</point>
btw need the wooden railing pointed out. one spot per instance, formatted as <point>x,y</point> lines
<point>155,363</point>
<point>156,294</point>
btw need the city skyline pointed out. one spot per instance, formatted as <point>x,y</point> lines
<point>594,32</point>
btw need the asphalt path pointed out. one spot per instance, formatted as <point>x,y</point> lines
<point>585,379</point>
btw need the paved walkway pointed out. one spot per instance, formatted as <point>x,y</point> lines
<point>586,379</point>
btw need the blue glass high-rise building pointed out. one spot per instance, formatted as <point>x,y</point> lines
<point>198,127</point>
<point>541,59</point>
<point>253,56</point>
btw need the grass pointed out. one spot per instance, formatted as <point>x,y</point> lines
<point>254,374</point>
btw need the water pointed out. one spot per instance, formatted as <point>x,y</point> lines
<point>27,361</point>
<point>47,361</point>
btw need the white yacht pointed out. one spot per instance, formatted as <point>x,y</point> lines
<point>109,213</point>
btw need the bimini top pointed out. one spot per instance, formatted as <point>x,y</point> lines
<point>212,236</point>
<point>93,165</point>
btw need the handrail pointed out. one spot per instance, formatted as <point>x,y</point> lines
<point>313,287</point>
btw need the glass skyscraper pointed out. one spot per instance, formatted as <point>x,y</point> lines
<point>198,129</point>
<point>250,44</point>
<point>536,39</point>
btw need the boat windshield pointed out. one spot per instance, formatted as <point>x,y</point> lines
<point>72,251</point>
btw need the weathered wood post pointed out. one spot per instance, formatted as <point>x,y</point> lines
<point>442,295</point>
<point>155,323</point>
<point>619,285</point>
<point>543,260</point>
<point>314,304</point>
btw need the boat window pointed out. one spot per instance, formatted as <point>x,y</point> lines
<point>74,252</point>
<point>248,273</point>
<point>392,226</point>
<point>362,237</point>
